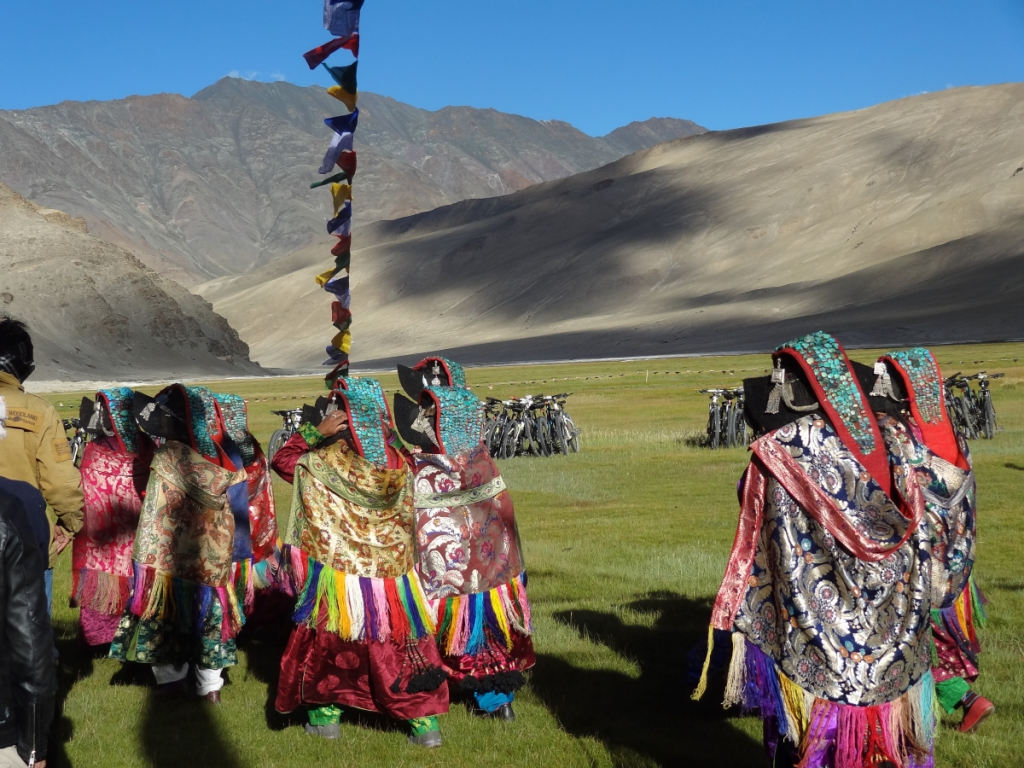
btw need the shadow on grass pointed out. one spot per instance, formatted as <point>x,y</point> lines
<point>184,732</point>
<point>650,718</point>
<point>263,641</point>
<point>75,663</point>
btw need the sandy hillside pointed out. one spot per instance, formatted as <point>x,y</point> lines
<point>899,223</point>
<point>95,311</point>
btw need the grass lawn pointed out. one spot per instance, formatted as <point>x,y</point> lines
<point>625,544</point>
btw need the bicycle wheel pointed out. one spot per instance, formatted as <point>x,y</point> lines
<point>530,436</point>
<point>574,434</point>
<point>989,419</point>
<point>543,435</point>
<point>488,438</point>
<point>714,425</point>
<point>508,441</point>
<point>561,441</point>
<point>972,418</point>
<point>278,439</point>
<point>730,425</point>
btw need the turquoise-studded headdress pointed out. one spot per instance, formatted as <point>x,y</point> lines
<point>926,393</point>
<point>835,384</point>
<point>369,417</point>
<point>458,418</point>
<point>236,424</point>
<point>118,403</point>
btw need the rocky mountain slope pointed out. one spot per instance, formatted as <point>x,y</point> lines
<point>218,184</point>
<point>896,224</point>
<point>96,312</point>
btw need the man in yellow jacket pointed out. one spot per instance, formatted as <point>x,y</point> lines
<point>34,451</point>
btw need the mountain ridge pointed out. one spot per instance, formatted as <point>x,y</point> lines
<point>218,183</point>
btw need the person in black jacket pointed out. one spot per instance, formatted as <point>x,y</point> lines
<point>27,665</point>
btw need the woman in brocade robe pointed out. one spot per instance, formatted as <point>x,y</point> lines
<point>183,609</point>
<point>469,556</point>
<point>364,635</point>
<point>909,388</point>
<point>115,471</point>
<point>828,587</point>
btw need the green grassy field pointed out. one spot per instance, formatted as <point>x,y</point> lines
<point>625,544</point>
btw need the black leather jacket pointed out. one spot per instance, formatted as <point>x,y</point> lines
<point>27,666</point>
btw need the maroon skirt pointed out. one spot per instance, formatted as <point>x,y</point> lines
<point>318,668</point>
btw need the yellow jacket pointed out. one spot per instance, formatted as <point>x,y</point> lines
<point>36,451</point>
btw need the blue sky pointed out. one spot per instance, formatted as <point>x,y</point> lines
<point>594,63</point>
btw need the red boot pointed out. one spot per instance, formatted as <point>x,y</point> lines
<point>975,710</point>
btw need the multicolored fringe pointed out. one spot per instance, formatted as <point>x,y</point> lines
<point>159,596</point>
<point>462,619</point>
<point>962,618</point>
<point>901,731</point>
<point>248,576</point>
<point>359,608</point>
<point>103,592</point>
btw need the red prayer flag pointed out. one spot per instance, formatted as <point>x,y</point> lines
<point>320,54</point>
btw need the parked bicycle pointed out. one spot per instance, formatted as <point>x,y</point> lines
<point>291,421</point>
<point>77,440</point>
<point>726,426</point>
<point>535,425</point>
<point>972,413</point>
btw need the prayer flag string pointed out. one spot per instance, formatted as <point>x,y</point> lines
<point>341,19</point>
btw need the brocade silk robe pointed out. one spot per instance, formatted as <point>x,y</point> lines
<point>840,589</point>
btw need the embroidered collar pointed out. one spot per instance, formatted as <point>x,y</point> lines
<point>832,378</point>
<point>923,379</point>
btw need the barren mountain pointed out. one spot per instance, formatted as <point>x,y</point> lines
<point>218,184</point>
<point>896,224</point>
<point>95,311</point>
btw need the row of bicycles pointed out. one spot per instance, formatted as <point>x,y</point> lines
<point>971,410</point>
<point>535,425</point>
<point>726,426</point>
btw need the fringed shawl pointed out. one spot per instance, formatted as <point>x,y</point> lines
<point>102,550</point>
<point>350,548</point>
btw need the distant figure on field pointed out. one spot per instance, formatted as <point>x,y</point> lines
<point>27,660</point>
<point>36,452</point>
